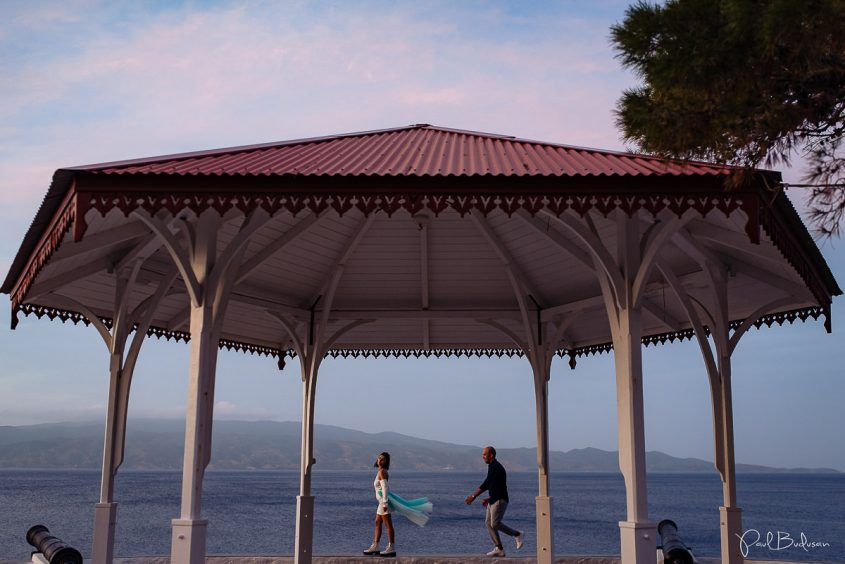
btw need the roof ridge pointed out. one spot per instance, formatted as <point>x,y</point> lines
<point>327,138</point>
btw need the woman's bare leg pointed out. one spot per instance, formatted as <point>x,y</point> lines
<point>388,521</point>
<point>377,533</point>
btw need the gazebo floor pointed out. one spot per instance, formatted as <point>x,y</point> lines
<point>410,559</point>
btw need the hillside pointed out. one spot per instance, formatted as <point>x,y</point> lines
<point>157,445</point>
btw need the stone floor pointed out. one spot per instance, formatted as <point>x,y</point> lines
<point>409,559</point>
<point>412,559</point>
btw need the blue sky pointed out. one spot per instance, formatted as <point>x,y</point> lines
<point>88,81</point>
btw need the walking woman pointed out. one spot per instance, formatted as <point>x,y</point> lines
<point>417,511</point>
<point>383,510</point>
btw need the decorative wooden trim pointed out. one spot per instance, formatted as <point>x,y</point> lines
<point>785,242</point>
<point>426,353</point>
<point>260,350</point>
<point>790,316</point>
<point>390,203</point>
<point>64,220</point>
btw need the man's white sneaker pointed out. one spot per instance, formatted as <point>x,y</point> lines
<point>519,541</point>
<point>496,552</point>
<point>373,550</point>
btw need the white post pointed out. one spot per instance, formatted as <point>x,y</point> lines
<point>718,365</point>
<point>730,516</point>
<point>305,501</point>
<point>311,351</point>
<point>121,368</point>
<point>208,279</point>
<point>545,536</point>
<point>540,352</point>
<point>189,531</point>
<point>637,534</point>
<point>105,512</point>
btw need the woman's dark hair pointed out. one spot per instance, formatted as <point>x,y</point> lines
<point>386,456</point>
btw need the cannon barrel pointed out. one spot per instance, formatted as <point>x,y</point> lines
<point>674,549</point>
<point>53,549</point>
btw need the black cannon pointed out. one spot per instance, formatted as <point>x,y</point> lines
<point>674,549</point>
<point>53,549</point>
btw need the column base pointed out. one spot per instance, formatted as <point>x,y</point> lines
<point>730,526</point>
<point>102,548</point>
<point>638,542</point>
<point>304,529</point>
<point>188,541</point>
<point>545,539</point>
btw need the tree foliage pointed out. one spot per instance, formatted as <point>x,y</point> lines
<point>745,82</point>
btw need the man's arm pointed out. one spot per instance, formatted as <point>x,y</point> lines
<point>471,497</point>
<point>482,488</point>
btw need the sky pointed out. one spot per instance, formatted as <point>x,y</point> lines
<point>89,81</point>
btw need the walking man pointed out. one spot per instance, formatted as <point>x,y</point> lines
<point>497,502</point>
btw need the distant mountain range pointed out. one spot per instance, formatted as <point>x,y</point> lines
<point>269,445</point>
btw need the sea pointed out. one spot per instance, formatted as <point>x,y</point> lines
<point>798,517</point>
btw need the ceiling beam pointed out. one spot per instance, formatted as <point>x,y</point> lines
<point>254,261</point>
<point>53,283</point>
<point>545,229</point>
<point>505,256</point>
<point>100,240</point>
<point>329,285</point>
<point>732,240</point>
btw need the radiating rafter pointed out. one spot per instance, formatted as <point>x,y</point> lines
<point>258,258</point>
<point>505,256</point>
<point>106,238</point>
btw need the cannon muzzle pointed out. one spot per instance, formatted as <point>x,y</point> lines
<point>674,549</point>
<point>53,549</point>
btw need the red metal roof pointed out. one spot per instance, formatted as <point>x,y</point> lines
<point>416,150</point>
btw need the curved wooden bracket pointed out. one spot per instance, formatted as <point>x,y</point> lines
<point>290,328</point>
<point>181,257</point>
<point>72,304</point>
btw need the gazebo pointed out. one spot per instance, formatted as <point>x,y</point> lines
<point>417,241</point>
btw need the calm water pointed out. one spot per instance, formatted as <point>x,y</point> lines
<point>253,512</point>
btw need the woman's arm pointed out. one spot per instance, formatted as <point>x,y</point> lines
<point>383,477</point>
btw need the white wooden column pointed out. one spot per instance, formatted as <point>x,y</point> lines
<point>730,514</point>
<point>637,533</point>
<point>304,540</point>
<point>121,370</point>
<point>718,366</point>
<point>638,542</point>
<point>541,354</point>
<point>311,348</point>
<point>540,351</point>
<point>623,279</point>
<point>708,313</point>
<point>208,277</point>
<point>543,502</point>
<point>105,511</point>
